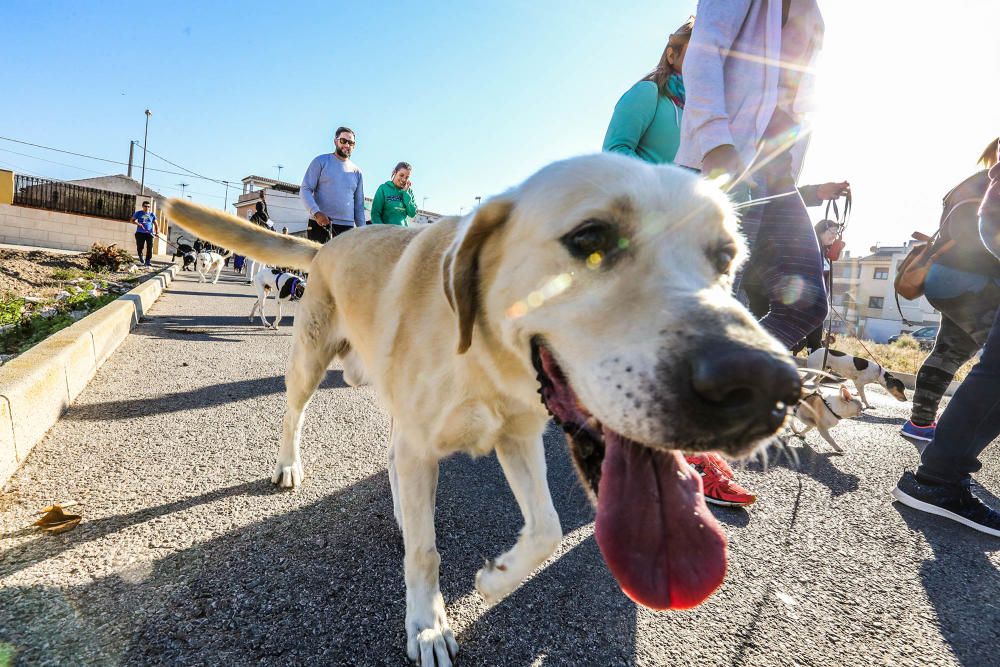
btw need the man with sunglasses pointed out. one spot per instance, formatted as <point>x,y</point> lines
<point>333,191</point>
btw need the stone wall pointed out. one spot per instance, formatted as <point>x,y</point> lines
<point>53,229</point>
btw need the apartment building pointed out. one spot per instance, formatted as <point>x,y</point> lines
<point>864,300</point>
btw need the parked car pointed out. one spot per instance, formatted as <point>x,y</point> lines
<point>924,336</point>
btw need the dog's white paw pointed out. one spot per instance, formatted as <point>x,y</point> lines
<point>287,475</point>
<point>494,582</point>
<point>431,644</point>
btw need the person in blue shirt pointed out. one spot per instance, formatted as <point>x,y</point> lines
<point>145,227</point>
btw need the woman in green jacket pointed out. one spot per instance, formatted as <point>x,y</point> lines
<point>394,202</point>
<point>646,122</point>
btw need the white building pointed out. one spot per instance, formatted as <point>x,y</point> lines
<point>863,294</point>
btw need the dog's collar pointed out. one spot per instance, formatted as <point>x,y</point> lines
<point>823,398</point>
<point>291,290</point>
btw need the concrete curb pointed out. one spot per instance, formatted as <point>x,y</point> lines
<point>39,385</point>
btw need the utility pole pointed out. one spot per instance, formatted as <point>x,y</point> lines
<point>460,210</point>
<point>183,186</point>
<point>478,200</point>
<point>131,154</point>
<point>423,204</point>
<point>225,200</point>
<point>279,167</point>
<point>145,138</point>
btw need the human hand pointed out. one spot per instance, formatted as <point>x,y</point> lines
<point>322,219</point>
<point>408,185</point>
<point>724,161</point>
<point>828,191</point>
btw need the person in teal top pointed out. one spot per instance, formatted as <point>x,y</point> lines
<point>394,202</point>
<point>646,122</point>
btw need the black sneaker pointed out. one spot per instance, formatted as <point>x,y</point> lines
<point>957,503</point>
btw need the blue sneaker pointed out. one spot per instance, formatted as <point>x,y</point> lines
<point>914,432</point>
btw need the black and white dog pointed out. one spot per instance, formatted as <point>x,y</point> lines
<point>187,253</point>
<point>860,371</point>
<point>286,287</point>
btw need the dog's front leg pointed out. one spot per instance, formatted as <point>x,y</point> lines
<point>523,463</point>
<point>277,321</point>
<point>861,393</point>
<point>429,640</point>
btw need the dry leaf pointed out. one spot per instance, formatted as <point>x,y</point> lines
<point>57,521</point>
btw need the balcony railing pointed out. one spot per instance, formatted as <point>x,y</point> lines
<point>69,198</point>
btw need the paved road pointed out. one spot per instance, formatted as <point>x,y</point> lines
<point>188,556</point>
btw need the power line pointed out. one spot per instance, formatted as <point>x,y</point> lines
<point>101,159</point>
<point>91,171</point>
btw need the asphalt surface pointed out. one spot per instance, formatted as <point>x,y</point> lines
<point>188,556</point>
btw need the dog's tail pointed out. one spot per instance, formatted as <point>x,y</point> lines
<point>240,236</point>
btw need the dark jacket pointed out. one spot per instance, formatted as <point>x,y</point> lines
<point>960,222</point>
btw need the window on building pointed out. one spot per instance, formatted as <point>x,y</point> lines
<point>881,274</point>
<point>876,301</point>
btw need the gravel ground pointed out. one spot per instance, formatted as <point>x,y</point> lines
<point>188,556</point>
<point>29,272</point>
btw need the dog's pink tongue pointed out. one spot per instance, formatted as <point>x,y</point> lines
<point>657,536</point>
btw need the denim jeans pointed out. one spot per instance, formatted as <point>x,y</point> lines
<point>968,303</point>
<point>969,423</point>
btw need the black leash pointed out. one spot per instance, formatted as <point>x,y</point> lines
<point>841,226</point>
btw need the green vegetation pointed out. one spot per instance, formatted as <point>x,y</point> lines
<point>904,355</point>
<point>31,323</point>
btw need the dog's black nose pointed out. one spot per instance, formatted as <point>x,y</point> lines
<point>739,383</point>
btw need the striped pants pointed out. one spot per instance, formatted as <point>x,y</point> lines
<point>784,256</point>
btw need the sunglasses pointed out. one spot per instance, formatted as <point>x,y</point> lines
<point>345,142</point>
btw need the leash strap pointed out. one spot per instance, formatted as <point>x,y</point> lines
<point>823,399</point>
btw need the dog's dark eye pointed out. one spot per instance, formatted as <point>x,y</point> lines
<point>722,256</point>
<point>593,241</point>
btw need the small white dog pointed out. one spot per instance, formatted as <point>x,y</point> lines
<point>823,412</point>
<point>860,371</point>
<point>286,287</point>
<point>207,262</point>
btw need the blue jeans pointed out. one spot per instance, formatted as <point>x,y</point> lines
<point>969,423</point>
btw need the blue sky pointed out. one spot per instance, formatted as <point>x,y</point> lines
<point>477,95</point>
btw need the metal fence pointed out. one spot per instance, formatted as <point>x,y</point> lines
<point>69,198</point>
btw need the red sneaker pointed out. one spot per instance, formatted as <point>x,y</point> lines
<point>721,464</point>
<point>719,488</point>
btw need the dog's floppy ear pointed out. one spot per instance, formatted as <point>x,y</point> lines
<point>460,266</point>
<point>845,394</point>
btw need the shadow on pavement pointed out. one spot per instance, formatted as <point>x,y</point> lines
<point>867,418</point>
<point>808,461</point>
<point>323,584</point>
<point>239,295</point>
<point>216,394</point>
<point>44,547</point>
<point>961,584</point>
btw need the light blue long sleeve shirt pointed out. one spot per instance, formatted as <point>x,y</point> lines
<point>335,188</point>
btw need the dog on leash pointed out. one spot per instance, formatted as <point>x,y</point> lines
<point>823,412</point>
<point>208,262</point>
<point>858,370</point>
<point>562,286</point>
<point>286,287</point>
<point>187,254</point>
